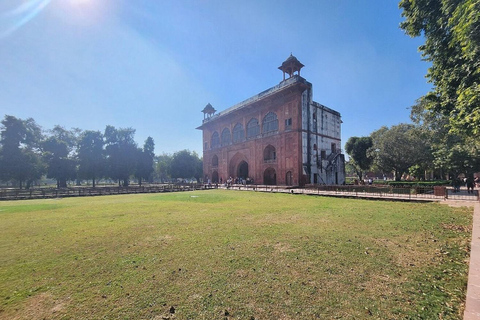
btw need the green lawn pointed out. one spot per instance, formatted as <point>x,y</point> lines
<point>232,255</point>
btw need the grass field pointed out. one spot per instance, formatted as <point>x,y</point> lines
<point>231,255</point>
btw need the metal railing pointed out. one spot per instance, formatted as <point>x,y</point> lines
<point>418,193</point>
<point>45,193</point>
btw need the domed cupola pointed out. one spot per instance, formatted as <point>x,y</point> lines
<point>290,66</point>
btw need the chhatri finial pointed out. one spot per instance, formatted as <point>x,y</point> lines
<point>290,66</point>
<point>208,111</point>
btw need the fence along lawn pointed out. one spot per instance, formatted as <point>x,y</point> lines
<point>231,255</point>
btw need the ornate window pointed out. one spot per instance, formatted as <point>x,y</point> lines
<point>226,137</point>
<point>238,133</point>
<point>253,128</point>
<point>270,123</point>
<point>215,140</point>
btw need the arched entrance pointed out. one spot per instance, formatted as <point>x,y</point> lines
<point>214,177</point>
<point>270,177</point>
<point>242,170</point>
<point>238,166</point>
<point>289,178</point>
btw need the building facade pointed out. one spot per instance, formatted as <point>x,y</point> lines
<point>277,137</point>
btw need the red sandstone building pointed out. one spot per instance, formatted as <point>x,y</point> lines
<point>277,137</point>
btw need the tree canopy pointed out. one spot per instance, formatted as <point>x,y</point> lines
<point>186,164</point>
<point>27,153</point>
<point>399,147</point>
<point>20,160</point>
<point>144,168</point>
<point>58,153</point>
<point>91,156</point>
<point>357,148</point>
<point>452,44</point>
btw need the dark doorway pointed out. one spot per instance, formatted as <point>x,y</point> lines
<point>270,177</point>
<point>242,171</point>
<point>289,179</point>
<point>215,177</point>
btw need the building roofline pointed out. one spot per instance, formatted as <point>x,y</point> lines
<point>264,94</point>
<point>319,105</point>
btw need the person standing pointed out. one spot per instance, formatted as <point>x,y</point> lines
<point>470,184</point>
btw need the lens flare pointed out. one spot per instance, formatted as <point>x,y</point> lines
<point>12,20</point>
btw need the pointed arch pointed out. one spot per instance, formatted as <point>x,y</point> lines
<point>253,128</point>
<point>215,141</point>
<point>270,123</point>
<point>215,176</point>
<point>238,133</point>
<point>269,154</point>
<point>270,176</point>
<point>289,178</point>
<point>226,137</point>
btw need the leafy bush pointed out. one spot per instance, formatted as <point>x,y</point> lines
<point>414,183</point>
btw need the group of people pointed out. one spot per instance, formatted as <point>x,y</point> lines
<point>237,180</point>
<point>230,181</point>
<point>470,182</point>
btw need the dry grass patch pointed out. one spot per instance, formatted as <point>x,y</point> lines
<point>232,255</point>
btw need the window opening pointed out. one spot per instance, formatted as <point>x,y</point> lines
<point>238,133</point>
<point>226,137</point>
<point>270,123</point>
<point>215,140</point>
<point>253,128</point>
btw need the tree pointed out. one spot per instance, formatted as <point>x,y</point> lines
<point>398,148</point>
<point>58,153</point>
<point>20,159</point>
<point>457,156</point>
<point>121,151</point>
<point>145,159</point>
<point>452,44</point>
<point>360,159</point>
<point>186,164</point>
<point>91,156</point>
<point>163,165</point>
<point>453,153</point>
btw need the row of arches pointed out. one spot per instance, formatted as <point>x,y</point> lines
<point>269,175</point>
<point>269,155</point>
<point>269,125</point>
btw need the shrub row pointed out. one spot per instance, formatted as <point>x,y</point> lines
<point>414,183</point>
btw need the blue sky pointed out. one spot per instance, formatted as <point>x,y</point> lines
<point>153,65</point>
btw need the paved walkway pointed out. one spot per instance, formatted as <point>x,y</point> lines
<point>472,307</point>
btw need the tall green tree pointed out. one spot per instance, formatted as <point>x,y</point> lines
<point>122,153</point>
<point>399,147</point>
<point>451,29</point>
<point>20,159</point>
<point>163,165</point>
<point>91,156</point>
<point>186,164</point>
<point>453,153</point>
<point>145,161</point>
<point>59,155</point>
<point>358,150</point>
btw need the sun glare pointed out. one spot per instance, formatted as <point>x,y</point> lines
<point>84,12</point>
<point>80,2</point>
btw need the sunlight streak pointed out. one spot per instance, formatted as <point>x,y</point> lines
<point>12,20</point>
